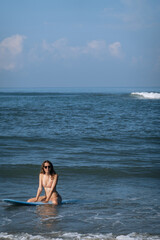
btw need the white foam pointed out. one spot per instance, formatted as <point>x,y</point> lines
<point>76,236</point>
<point>136,236</point>
<point>21,236</point>
<point>147,95</point>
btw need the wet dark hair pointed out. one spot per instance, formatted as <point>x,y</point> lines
<point>52,171</point>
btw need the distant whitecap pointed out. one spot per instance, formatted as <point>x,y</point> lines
<point>147,95</point>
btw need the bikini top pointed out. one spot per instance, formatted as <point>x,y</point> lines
<point>47,182</point>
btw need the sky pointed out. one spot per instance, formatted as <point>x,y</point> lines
<point>79,43</point>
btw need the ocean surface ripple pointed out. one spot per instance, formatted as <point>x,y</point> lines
<point>105,146</point>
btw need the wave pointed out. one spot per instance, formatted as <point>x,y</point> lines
<point>76,236</point>
<point>32,170</point>
<point>146,95</point>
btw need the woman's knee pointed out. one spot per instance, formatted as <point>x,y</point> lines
<point>30,200</point>
<point>55,202</point>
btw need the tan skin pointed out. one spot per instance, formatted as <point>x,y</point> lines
<point>49,183</point>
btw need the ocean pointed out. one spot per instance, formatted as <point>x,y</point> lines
<point>104,144</point>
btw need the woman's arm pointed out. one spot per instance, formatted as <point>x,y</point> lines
<point>55,180</point>
<point>39,188</point>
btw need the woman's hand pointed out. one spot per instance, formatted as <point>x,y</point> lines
<point>45,201</point>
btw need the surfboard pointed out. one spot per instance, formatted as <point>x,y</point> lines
<point>16,202</point>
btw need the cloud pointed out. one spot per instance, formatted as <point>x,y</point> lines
<point>115,50</point>
<point>61,49</point>
<point>133,15</point>
<point>10,50</point>
<point>96,47</point>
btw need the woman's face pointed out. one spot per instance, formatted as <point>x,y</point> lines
<point>47,167</point>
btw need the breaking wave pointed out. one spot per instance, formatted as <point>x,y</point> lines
<point>77,236</point>
<point>146,95</point>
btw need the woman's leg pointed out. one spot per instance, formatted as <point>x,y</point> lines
<point>40,199</point>
<point>56,199</point>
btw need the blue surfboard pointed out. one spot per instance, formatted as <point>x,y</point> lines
<point>15,202</point>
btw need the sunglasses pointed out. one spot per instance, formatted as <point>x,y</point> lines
<point>47,167</point>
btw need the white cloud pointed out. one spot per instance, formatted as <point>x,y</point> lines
<point>115,50</point>
<point>61,49</point>
<point>132,14</point>
<point>97,45</point>
<point>10,49</point>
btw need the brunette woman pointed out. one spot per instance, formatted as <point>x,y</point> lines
<point>48,180</point>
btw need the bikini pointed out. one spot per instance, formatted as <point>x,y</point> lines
<point>49,186</point>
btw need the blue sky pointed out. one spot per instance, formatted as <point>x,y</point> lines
<point>79,43</point>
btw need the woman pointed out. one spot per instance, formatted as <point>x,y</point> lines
<point>48,180</point>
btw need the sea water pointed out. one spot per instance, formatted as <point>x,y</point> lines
<point>104,145</point>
